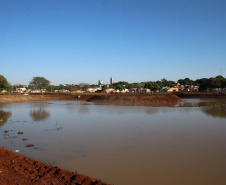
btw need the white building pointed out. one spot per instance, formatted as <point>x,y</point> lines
<point>21,90</point>
<point>101,82</point>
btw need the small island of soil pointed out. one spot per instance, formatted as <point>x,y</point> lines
<point>17,169</point>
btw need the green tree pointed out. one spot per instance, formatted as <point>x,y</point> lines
<point>4,84</point>
<point>134,85</point>
<point>218,82</point>
<point>167,83</point>
<point>112,86</point>
<point>121,83</point>
<point>170,84</point>
<point>186,81</point>
<point>204,84</point>
<point>120,87</point>
<point>104,87</point>
<point>150,85</point>
<point>61,87</point>
<point>40,82</point>
<point>84,86</point>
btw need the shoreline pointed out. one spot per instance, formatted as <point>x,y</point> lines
<point>18,169</point>
<point>102,98</point>
<point>133,99</point>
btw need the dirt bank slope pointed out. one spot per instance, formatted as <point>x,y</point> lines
<point>18,98</point>
<point>16,169</point>
<point>138,99</point>
<point>121,99</point>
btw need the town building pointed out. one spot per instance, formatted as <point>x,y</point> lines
<point>101,82</point>
<point>111,81</point>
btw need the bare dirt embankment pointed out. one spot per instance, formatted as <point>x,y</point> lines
<point>136,99</point>
<point>16,169</point>
<point>19,98</point>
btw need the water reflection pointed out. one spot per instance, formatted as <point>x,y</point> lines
<point>38,111</point>
<point>216,111</point>
<point>202,103</point>
<point>84,109</point>
<point>5,106</point>
<point>4,116</point>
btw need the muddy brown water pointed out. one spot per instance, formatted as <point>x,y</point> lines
<point>123,145</point>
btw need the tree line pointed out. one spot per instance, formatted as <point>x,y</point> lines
<point>204,84</point>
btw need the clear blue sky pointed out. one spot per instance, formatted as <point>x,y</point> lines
<point>73,41</point>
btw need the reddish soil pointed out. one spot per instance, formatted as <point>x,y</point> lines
<point>136,99</point>
<point>17,169</point>
<point>18,98</point>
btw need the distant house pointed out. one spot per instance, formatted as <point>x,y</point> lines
<point>37,91</point>
<point>173,89</point>
<point>191,88</point>
<point>164,89</point>
<point>115,91</point>
<point>110,90</point>
<point>125,91</point>
<point>21,90</point>
<point>143,90</point>
<point>63,91</point>
<point>132,90</point>
<point>91,90</point>
<point>181,88</point>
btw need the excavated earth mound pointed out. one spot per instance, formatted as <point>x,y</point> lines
<point>17,169</point>
<point>139,99</point>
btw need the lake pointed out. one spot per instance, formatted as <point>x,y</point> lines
<point>123,145</point>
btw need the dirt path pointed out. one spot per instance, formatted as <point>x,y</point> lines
<point>20,170</point>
